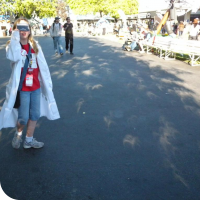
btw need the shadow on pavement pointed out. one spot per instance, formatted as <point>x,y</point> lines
<point>129,129</point>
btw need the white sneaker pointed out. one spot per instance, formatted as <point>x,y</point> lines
<point>16,141</point>
<point>34,144</point>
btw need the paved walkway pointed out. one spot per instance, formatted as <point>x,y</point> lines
<point>129,128</point>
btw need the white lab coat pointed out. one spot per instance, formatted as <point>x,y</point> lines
<point>48,107</point>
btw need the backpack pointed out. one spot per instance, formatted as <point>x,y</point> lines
<point>54,25</point>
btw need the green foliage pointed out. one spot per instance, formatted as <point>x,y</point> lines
<point>78,6</point>
<point>49,8</point>
<point>42,8</point>
<point>27,8</point>
<point>6,6</point>
<point>128,6</point>
<point>104,6</point>
<point>61,9</point>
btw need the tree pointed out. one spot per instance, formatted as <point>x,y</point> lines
<point>87,6</point>
<point>43,8</point>
<point>6,6</point>
<point>128,6</point>
<point>104,6</point>
<point>27,8</point>
<point>61,9</point>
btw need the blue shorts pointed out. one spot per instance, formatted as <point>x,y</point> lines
<point>133,45</point>
<point>29,106</point>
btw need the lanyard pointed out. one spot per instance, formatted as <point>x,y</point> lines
<point>30,61</point>
<point>25,68</point>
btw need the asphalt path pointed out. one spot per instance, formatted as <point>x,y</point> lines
<point>129,128</point>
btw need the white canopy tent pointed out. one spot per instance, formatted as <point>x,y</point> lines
<point>160,6</point>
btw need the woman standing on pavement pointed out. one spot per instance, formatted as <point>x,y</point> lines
<point>30,82</point>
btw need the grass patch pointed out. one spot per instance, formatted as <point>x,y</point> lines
<point>182,57</point>
<point>185,58</point>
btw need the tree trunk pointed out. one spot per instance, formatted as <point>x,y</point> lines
<point>100,13</point>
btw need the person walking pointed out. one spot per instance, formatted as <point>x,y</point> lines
<point>181,27</point>
<point>68,27</point>
<point>55,33</point>
<point>194,30</point>
<point>29,91</point>
<point>41,29</point>
<point>163,30</point>
<point>10,31</point>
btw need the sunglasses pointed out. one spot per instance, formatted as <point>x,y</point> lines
<point>23,27</point>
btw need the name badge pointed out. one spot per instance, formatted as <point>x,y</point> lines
<point>23,52</point>
<point>29,80</point>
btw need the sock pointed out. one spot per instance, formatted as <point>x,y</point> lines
<point>29,139</point>
<point>19,133</point>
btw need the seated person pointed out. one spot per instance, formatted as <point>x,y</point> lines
<point>145,37</point>
<point>137,38</point>
<point>134,38</point>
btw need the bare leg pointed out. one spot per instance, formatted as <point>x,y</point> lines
<point>17,136</point>
<point>20,127</point>
<point>30,131</point>
<point>31,128</point>
<point>140,46</point>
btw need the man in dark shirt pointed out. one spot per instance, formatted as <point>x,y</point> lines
<point>68,27</point>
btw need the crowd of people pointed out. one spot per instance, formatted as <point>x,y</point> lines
<point>95,28</point>
<point>186,30</point>
<point>139,34</point>
<point>137,38</point>
<point>29,91</point>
